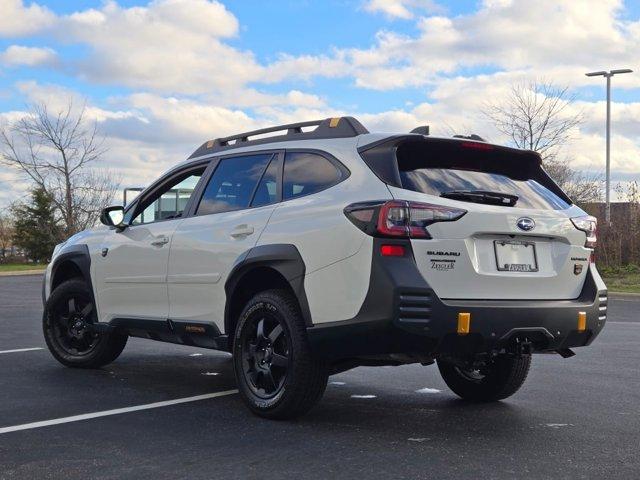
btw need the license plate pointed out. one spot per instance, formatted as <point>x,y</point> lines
<point>514,256</point>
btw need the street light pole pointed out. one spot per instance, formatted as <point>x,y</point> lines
<point>607,211</point>
<point>608,75</point>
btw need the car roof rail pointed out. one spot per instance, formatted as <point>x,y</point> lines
<point>336,127</point>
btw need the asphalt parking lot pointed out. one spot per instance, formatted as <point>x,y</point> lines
<point>574,418</point>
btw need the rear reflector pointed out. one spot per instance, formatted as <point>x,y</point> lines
<point>392,251</point>
<point>582,321</point>
<point>464,323</point>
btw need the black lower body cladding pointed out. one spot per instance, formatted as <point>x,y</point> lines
<point>402,314</point>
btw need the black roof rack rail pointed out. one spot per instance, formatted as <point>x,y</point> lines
<point>336,127</point>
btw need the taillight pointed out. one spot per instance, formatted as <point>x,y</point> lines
<point>588,225</point>
<point>399,218</point>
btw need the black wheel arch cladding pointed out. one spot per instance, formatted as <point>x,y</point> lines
<point>77,255</point>
<point>285,259</point>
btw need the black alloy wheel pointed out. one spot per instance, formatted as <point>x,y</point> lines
<point>277,374</point>
<point>71,322</point>
<point>265,356</point>
<point>68,327</point>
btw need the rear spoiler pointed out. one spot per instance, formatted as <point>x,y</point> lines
<point>381,157</point>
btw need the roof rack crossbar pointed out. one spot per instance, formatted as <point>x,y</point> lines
<point>337,127</point>
<point>291,129</point>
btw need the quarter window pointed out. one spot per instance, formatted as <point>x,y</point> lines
<point>232,184</point>
<point>306,173</point>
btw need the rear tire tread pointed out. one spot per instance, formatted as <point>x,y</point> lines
<point>310,375</point>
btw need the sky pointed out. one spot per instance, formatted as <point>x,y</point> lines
<point>160,77</point>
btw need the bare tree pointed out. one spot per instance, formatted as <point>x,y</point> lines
<point>6,234</point>
<point>58,153</point>
<point>580,187</point>
<point>536,116</point>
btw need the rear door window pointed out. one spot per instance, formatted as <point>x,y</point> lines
<point>267,191</point>
<point>476,172</point>
<point>233,183</point>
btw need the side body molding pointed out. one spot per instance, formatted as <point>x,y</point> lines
<point>283,258</point>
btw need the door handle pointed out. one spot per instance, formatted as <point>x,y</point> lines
<point>242,231</point>
<point>160,241</point>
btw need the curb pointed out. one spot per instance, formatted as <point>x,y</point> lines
<point>19,273</point>
<point>625,294</point>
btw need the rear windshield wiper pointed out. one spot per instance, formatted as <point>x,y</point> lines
<point>482,196</point>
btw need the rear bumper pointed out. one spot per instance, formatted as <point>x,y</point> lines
<point>402,314</point>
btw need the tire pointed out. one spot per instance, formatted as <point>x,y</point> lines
<point>499,380</point>
<point>68,313</point>
<point>276,374</point>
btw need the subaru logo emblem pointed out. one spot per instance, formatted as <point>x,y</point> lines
<point>525,223</point>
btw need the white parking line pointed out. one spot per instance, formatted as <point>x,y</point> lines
<point>21,350</point>
<point>23,305</point>
<point>116,411</point>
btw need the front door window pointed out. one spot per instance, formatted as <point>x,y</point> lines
<point>169,202</point>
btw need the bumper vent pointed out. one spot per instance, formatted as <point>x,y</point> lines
<point>414,309</point>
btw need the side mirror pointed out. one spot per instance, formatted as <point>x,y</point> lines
<point>113,216</point>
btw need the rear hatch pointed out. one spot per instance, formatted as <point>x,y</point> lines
<point>516,239</point>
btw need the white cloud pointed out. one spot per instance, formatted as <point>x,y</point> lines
<point>189,121</point>
<point>401,8</point>
<point>173,46</point>
<point>304,67</point>
<point>17,19</point>
<point>17,55</point>
<point>180,46</point>
<point>391,8</point>
<point>55,97</point>
<point>546,37</point>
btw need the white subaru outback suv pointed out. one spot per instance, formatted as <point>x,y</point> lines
<point>325,247</point>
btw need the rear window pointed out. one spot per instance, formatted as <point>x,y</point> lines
<point>462,170</point>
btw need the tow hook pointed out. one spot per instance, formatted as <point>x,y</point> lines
<point>565,352</point>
